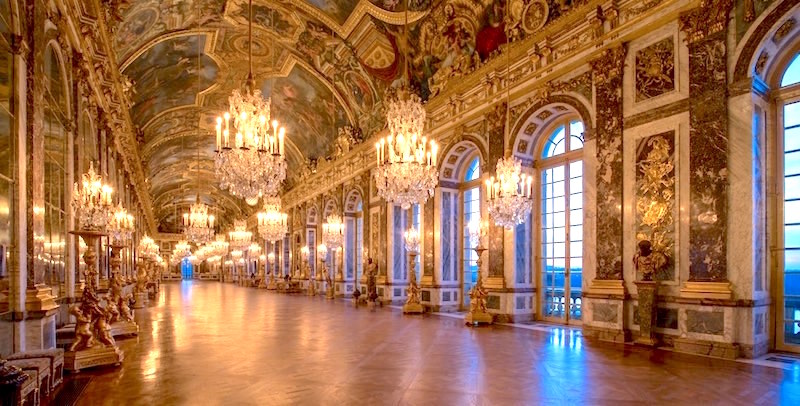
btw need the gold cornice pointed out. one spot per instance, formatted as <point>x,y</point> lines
<point>363,8</point>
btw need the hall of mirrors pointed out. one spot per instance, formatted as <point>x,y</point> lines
<point>503,177</point>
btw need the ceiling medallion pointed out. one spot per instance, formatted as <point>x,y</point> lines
<point>509,199</point>
<point>251,162</point>
<point>272,223</point>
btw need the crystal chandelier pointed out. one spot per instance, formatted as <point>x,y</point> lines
<point>250,163</point>
<point>121,226</point>
<point>272,224</point>
<point>239,237</point>
<point>220,246</point>
<point>92,201</point>
<point>509,197</point>
<point>253,250</point>
<point>406,172</point>
<point>183,249</point>
<point>148,249</point>
<point>199,224</point>
<point>236,254</point>
<point>333,231</point>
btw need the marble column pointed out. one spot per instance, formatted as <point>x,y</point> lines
<point>603,310</point>
<point>706,30</point>
<point>607,74</point>
<point>495,126</point>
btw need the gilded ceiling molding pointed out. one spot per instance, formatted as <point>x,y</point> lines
<point>363,8</point>
<point>212,34</point>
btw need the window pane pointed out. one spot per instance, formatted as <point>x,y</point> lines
<point>792,74</point>
<point>474,170</point>
<point>792,236</point>
<point>792,163</point>
<point>791,138</point>
<point>791,188</point>
<point>576,135</point>
<point>555,144</point>
<point>791,212</point>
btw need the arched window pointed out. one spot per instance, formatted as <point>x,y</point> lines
<point>788,236</point>
<point>471,212</point>
<point>561,210</point>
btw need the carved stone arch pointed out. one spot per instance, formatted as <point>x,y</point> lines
<point>351,200</point>
<point>455,156</point>
<point>527,131</point>
<point>773,29</point>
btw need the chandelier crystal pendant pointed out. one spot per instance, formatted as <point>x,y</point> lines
<point>91,200</point>
<point>509,199</point>
<point>239,238</point>
<point>250,159</point>
<point>272,223</point>
<point>199,225</point>
<point>406,160</point>
<point>333,231</point>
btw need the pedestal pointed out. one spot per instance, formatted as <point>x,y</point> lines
<point>478,317</point>
<point>647,312</point>
<point>141,300</point>
<point>93,357</point>
<point>412,305</point>
<point>124,328</point>
<point>477,299</point>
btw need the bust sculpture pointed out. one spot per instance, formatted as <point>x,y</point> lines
<point>647,261</point>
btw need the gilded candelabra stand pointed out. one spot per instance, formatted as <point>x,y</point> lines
<point>93,344</point>
<point>477,295</point>
<point>412,305</point>
<point>122,319</point>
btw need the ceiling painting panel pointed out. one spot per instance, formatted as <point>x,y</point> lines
<point>166,75</point>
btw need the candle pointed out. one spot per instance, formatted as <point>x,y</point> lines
<point>219,133</point>
<point>225,135</point>
<point>280,142</point>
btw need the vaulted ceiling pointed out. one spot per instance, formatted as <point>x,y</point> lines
<point>184,57</point>
<point>325,63</point>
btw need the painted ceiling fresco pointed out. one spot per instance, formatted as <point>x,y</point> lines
<point>315,57</point>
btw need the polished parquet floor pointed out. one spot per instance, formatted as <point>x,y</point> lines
<point>207,343</point>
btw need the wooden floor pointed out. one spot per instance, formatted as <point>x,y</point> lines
<point>207,343</point>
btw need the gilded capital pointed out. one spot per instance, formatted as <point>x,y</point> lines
<point>710,18</point>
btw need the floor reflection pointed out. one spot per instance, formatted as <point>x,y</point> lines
<point>208,343</point>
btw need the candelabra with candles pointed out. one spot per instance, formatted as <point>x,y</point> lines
<point>239,238</point>
<point>478,294</point>
<point>120,230</point>
<point>323,276</point>
<point>93,344</point>
<point>412,305</point>
<point>509,195</point>
<point>274,277</point>
<point>333,236</point>
<point>305,252</point>
<point>406,160</point>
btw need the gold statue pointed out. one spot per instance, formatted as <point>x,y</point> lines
<point>125,309</point>
<point>83,333</point>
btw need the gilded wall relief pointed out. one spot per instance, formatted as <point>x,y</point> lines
<point>655,69</point>
<point>655,197</point>
<point>608,87</point>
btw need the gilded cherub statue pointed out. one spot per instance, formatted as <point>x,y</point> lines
<point>83,333</point>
